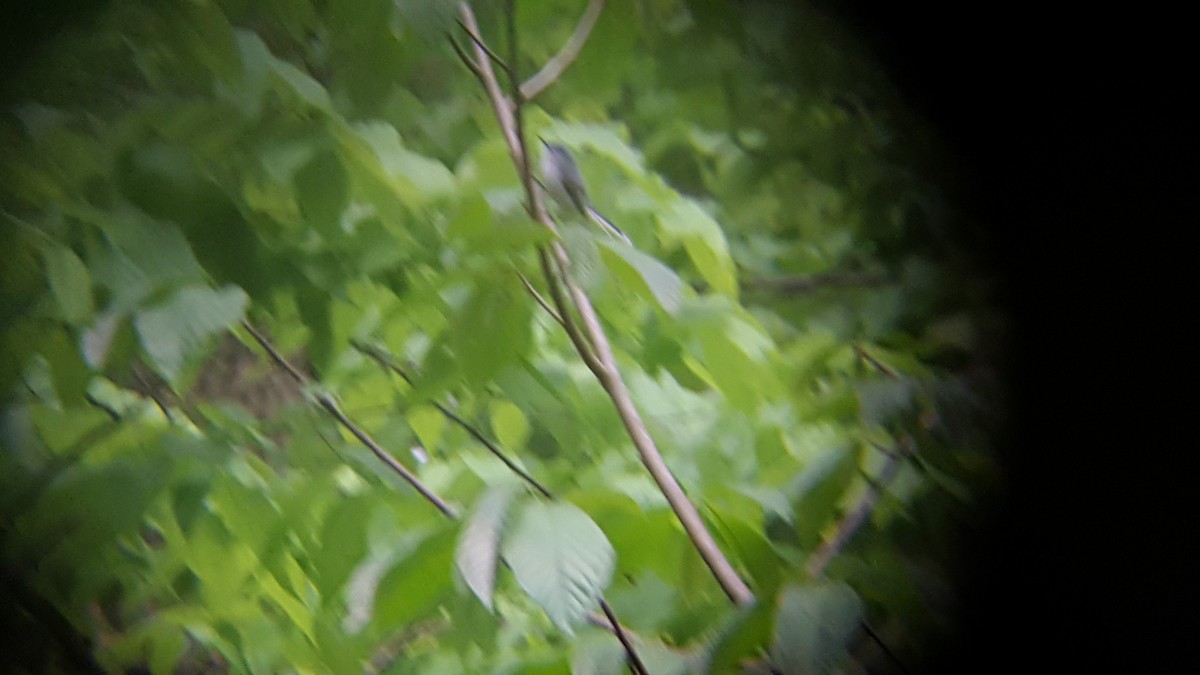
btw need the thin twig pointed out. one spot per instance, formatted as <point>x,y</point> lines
<point>555,66</point>
<point>856,516</point>
<point>326,401</point>
<point>556,278</point>
<point>607,373</point>
<point>540,300</point>
<point>500,103</point>
<point>635,663</point>
<point>386,361</point>
<point>876,363</point>
<point>467,60</point>
<point>328,404</point>
<point>483,45</point>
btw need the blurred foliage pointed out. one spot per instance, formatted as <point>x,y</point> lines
<point>799,303</point>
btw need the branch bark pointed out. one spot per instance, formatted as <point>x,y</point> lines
<point>386,361</point>
<point>566,56</point>
<point>604,364</point>
<point>326,401</point>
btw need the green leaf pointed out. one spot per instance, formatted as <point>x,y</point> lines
<point>685,222</point>
<point>742,636</point>
<point>491,330</point>
<point>414,586</point>
<point>322,190</point>
<point>174,330</point>
<point>416,178</point>
<point>479,545</point>
<point>561,558</point>
<point>343,544</point>
<point>819,488</point>
<point>427,422</point>
<point>814,627</point>
<point>643,272</point>
<point>301,84</point>
<point>510,424</point>
<point>70,283</point>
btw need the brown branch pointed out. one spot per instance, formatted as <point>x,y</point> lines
<point>635,663</point>
<point>540,300</point>
<point>556,278</point>
<point>876,363</point>
<point>474,35</point>
<point>856,516</point>
<point>326,401</point>
<point>607,373</point>
<point>502,106</point>
<point>467,60</point>
<point>387,362</point>
<point>558,63</point>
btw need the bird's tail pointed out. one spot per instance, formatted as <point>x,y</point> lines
<point>606,225</point>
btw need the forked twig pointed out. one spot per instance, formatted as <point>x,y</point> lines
<point>326,401</point>
<point>603,364</point>
<point>388,362</point>
<point>566,56</point>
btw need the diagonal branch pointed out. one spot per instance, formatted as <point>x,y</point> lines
<point>555,66</point>
<point>635,663</point>
<point>856,516</point>
<point>326,401</point>
<point>388,362</point>
<point>606,372</point>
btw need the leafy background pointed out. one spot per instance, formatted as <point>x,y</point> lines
<point>802,305</point>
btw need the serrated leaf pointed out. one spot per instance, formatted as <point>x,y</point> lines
<point>635,269</point>
<point>561,558</point>
<point>70,283</point>
<point>479,546</point>
<point>173,330</point>
<point>814,626</point>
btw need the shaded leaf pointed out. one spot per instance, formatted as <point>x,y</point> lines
<point>814,626</point>
<point>70,283</point>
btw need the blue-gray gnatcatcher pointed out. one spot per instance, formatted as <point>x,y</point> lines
<point>564,183</point>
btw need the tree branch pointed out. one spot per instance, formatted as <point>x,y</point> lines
<point>326,401</point>
<point>555,66</point>
<point>607,373</point>
<point>386,361</point>
<point>875,363</point>
<point>635,663</point>
<point>856,516</point>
